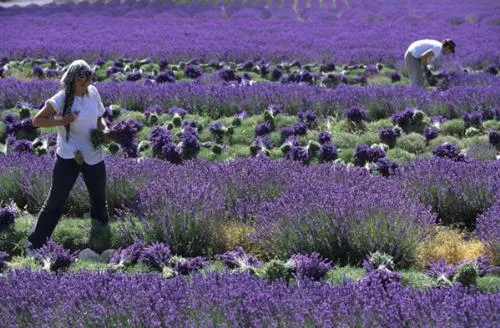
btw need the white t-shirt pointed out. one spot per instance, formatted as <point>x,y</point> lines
<point>90,107</point>
<point>418,48</point>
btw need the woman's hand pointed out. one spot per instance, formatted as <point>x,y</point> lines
<point>70,118</point>
<point>106,137</point>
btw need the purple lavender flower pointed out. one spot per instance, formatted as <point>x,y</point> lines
<point>3,259</point>
<point>327,152</point>
<point>449,151</point>
<point>166,76</point>
<point>242,115</point>
<point>177,111</point>
<point>371,69</point>
<point>395,77</point>
<point>237,258</point>
<point>10,118</point>
<point>263,128</point>
<point>299,154</point>
<point>7,215</point>
<point>99,61</point>
<point>324,137</point>
<point>439,119</point>
<point>134,76</point>
<point>403,118</point>
<point>153,109</point>
<point>388,136</point>
<point>157,255</point>
<point>262,142</point>
<point>22,146</point>
<point>227,75</point>
<point>54,257</point>
<point>124,133</point>
<point>364,153</point>
<point>163,146</point>
<point>474,118</point>
<point>300,128</point>
<point>430,133</point>
<point>129,255</point>
<point>190,142</point>
<point>381,277</point>
<point>187,266</point>
<point>356,114</point>
<point>308,117</point>
<point>440,269</point>
<point>37,71</point>
<point>385,167</point>
<point>311,266</point>
<point>484,266</point>
<point>494,138</point>
<point>287,131</point>
<point>190,123</point>
<point>193,71</point>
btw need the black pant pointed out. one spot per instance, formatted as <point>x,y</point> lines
<point>64,175</point>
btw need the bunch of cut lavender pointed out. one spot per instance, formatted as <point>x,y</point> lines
<point>3,259</point>
<point>186,266</point>
<point>127,256</point>
<point>7,214</point>
<point>238,260</point>
<point>96,138</point>
<point>311,266</point>
<point>54,257</point>
<point>157,255</point>
<point>378,260</point>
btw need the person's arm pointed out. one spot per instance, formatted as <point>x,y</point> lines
<point>45,117</point>
<point>425,58</point>
<point>101,125</point>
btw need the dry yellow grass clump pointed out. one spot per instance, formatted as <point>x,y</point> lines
<point>451,245</point>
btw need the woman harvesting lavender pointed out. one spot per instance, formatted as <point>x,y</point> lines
<point>420,53</point>
<point>75,110</point>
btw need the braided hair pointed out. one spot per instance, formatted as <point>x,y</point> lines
<point>75,69</point>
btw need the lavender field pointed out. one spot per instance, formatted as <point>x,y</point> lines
<point>269,165</point>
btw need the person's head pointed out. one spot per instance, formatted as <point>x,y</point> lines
<point>448,47</point>
<point>77,77</point>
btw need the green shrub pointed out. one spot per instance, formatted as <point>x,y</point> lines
<point>346,155</point>
<point>454,128</point>
<point>399,155</point>
<point>488,125</point>
<point>377,125</point>
<point>414,143</point>
<point>444,139</point>
<point>345,140</point>
<point>466,274</point>
<point>277,270</point>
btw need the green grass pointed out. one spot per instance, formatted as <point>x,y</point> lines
<point>339,275</point>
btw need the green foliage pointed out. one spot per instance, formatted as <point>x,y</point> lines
<point>345,140</point>
<point>368,138</point>
<point>417,279</point>
<point>379,259</point>
<point>399,155</point>
<point>466,274</point>
<point>277,270</point>
<point>346,155</point>
<point>339,275</point>
<point>454,128</point>
<point>13,238</point>
<point>488,283</point>
<point>375,126</point>
<point>444,139</point>
<point>413,143</point>
<point>491,125</point>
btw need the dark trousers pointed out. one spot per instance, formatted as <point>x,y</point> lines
<point>64,175</point>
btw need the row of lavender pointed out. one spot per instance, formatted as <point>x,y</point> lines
<point>84,299</point>
<point>354,213</point>
<point>222,100</point>
<point>343,31</point>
